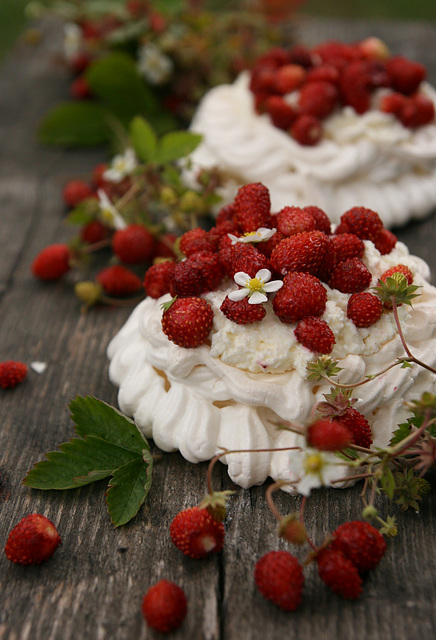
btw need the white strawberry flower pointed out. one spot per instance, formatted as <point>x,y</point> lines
<point>255,288</point>
<point>261,235</point>
<point>155,66</point>
<point>122,165</point>
<point>109,213</point>
<point>73,40</point>
<point>313,469</point>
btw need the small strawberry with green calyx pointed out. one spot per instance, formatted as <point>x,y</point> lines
<point>215,504</point>
<point>187,321</point>
<point>328,435</point>
<point>196,533</point>
<point>32,541</point>
<point>292,529</point>
<point>338,405</point>
<point>396,287</point>
<point>324,367</point>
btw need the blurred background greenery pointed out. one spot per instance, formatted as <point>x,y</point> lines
<point>13,20</point>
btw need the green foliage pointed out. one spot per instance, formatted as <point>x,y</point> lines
<point>75,124</point>
<point>169,148</point>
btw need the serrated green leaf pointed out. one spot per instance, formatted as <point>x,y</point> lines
<point>387,482</point>
<point>144,139</point>
<point>176,145</point>
<point>75,124</point>
<point>346,454</point>
<point>128,489</point>
<point>95,417</point>
<point>399,434</point>
<point>78,462</point>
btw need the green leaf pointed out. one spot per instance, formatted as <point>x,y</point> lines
<point>346,454</point>
<point>169,7</point>
<point>387,482</point>
<point>79,216</point>
<point>144,139</point>
<point>128,489</point>
<point>176,145</point>
<point>95,417</point>
<point>399,434</point>
<point>74,124</point>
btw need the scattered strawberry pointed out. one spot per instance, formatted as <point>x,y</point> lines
<point>364,309</point>
<point>307,130</point>
<point>301,252</point>
<point>252,206</point>
<point>52,262</point>
<point>301,295</point>
<point>158,277</point>
<point>241,311</point>
<point>328,435</point>
<point>32,541</point>
<point>164,606</point>
<point>134,244</point>
<point>187,321</point>
<point>361,543</point>
<point>196,240</point>
<point>196,533</point>
<point>315,334</point>
<point>12,373</point>
<point>75,192</point>
<point>364,223</point>
<point>117,280</point>
<point>399,268</point>
<point>339,573</point>
<point>94,231</point>
<point>350,276</point>
<point>279,577</point>
<point>293,220</point>
<point>358,425</point>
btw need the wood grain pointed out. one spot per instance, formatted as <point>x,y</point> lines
<point>94,585</point>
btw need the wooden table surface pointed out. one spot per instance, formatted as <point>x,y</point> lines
<point>92,588</point>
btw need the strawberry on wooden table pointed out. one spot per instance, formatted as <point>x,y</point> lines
<point>32,541</point>
<point>164,606</point>
<point>196,533</point>
<point>12,373</point>
<point>279,577</point>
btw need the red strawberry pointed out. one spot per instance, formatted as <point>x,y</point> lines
<point>328,435</point>
<point>301,295</point>
<point>243,257</point>
<point>385,241</point>
<point>364,309</point>
<point>424,109</point>
<point>32,541</point>
<point>164,606</point>
<point>315,334</point>
<point>116,280</point>
<point>187,279</point>
<point>361,543</point>
<point>94,231</point>
<point>210,267</point>
<point>339,573</point>
<point>97,174</point>
<point>364,223</point>
<point>300,54</point>
<point>350,276</point>
<point>134,244</point>
<point>347,245</point>
<point>293,220</point>
<point>158,277</point>
<point>307,130</point>
<point>196,533</point>
<point>325,73</point>
<point>80,62</point>
<point>399,268</point>
<point>279,577</point>
<point>302,252</point>
<point>215,234</point>
<point>405,75</point>
<point>52,262</point>
<point>358,425</point>
<point>196,240</point>
<point>318,99</point>
<point>322,221</point>
<point>267,246</point>
<point>393,103</point>
<point>289,77</point>
<point>188,321</point>
<point>334,50</point>
<point>75,191</point>
<point>281,113</point>
<point>80,88</point>
<point>242,312</point>
<point>225,214</point>
<point>164,246</point>
<point>252,206</point>
<point>12,373</point>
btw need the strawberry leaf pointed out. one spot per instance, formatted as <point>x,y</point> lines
<point>144,139</point>
<point>176,145</point>
<point>128,489</point>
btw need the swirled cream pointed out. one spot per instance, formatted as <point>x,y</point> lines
<point>371,160</point>
<point>233,391</point>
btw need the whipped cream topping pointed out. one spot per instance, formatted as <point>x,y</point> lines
<point>233,391</point>
<point>369,160</point>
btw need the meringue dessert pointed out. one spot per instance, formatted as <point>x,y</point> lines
<point>335,126</point>
<point>247,377</point>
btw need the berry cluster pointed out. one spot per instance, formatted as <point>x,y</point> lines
<point>298,88</point>
<point>296,246</point>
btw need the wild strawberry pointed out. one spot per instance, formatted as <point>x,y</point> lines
<point>293,220</point>
<point>12,373</point>
<point>324,73</point>
<point>405,75</point>
<point>164,246</point>
<point>364,223</point>
<point>385,241</point>
<point>301,295</point>
<point>328,435</point>
<point>347,245</point>
<point>32,541</point>
<point>241,311</point>
<point>195,240</point>
<point>134,244</point>
<point>262,81</point>
<point>75,192</point>
<point>80,62</point>
<point>220,230</point>
<point>279,577</point>
<point>281,113</point>
<point>334,50</point>
<point>267,246</point>
<point>358,425</point>
<point>307,130</point>
<point>225,214</point>
<point>393,103</point>
<point>322,221</point>
<point>158,277</point>
<point>302,252</point>
<point>339,573</point>
<point>196,533</point>
<point>210,267</point>
<point>97,175</point>
<point>243,257</point>
<point>361,543</point>
<point>94,231</point>
<point>373,48</point>
<point>187,321</point>
<point>425,109</point>
<point>300,54</point>
<point>164,606</point>
<point>315,334</point>
<point>274,58</point>
<point>80,88</point>
<point>289,77</point>
<point>52,262</point>
<point>350,276</point>
<point>364,309</point>
<point>117,280</point>
<point>252,206</point>
<point>187,279</point>
<point>399,268</point>
<point>317,99</point>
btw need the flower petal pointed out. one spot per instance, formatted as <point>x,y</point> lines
<point>241,278</point>
<point>264,275</point>
<point>239,294</point>
<point>274,285</point>
<point>257,298</point>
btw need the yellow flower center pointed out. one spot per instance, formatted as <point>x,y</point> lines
<point>255,284</point>
<point>107,215</point>
<point>314,463</point>
<point>249,233</point>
